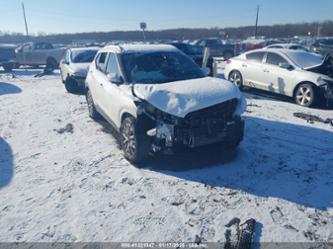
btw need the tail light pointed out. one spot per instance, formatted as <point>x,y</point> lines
<point>229,61</point>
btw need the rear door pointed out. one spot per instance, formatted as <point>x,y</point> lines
<point>252,69</point>
<point>97,79</point>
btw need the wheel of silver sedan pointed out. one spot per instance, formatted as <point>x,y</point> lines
<point>305,95</point>
<point>236,78</point>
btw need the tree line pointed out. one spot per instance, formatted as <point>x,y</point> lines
<point>273,31</point>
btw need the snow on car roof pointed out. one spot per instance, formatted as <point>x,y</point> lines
<point>304,59</point>
<point>85,48</point>
<point>139,48</point>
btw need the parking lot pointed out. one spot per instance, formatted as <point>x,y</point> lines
<point>66,179</point>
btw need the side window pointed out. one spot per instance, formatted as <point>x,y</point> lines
<point>256,57</point>
<point>26,48</point>
<point>112,65</point>
<point>101,62</point>
<point>274,59</point>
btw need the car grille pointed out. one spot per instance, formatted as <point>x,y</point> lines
<point>217,114</point>
<point>206,124</point>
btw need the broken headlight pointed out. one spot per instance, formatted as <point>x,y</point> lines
<point>159,115</point>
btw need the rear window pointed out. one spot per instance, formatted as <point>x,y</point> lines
<point>257,56</point>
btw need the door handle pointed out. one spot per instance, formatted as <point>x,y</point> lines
<point>244,65</point>
<point>266,71</point>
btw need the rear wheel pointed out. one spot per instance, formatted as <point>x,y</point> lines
<point>135,144</point>
<point>51,65</point>
<point>236,78</point>
<point>305,95</point>
<point>91,107</point>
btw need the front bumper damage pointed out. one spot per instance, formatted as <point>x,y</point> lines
<point>79,80</point>
<point>212,125</point>
<point>327,92</point>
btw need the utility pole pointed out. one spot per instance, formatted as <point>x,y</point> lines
<point>25,22</point>
<point>257,18</point>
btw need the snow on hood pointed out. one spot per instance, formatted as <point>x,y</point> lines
<point>180,98</point>
<point>80,69</point>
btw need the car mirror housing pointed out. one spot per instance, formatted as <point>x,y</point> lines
<point>115,78</point>
<point>286,66</point>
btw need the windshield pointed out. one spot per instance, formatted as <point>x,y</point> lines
<point>159,67</point>
<point>83,56</point>
<point>304,59</point>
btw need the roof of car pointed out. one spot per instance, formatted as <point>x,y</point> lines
<point>85,48</point>
<point>142,48</point>
<point>284,44</point>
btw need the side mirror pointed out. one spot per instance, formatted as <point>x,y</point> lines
<point>115,78</point>
<point>206,71</point>
<point>286,66</point>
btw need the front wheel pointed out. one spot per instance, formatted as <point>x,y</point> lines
<point>134,145</point>
<point>236,78</point>
<point>305,95</point>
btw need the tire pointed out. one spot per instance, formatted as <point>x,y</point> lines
<point>51,65</point>
<point>71,85</point>
<point>91,107</point>
<point>305,95</point>
<point>135,144</point>
<point>236,78</point>
<point>8,67</point>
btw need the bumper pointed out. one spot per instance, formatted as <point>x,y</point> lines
<point>79,80</point>
<point>327,92</point>
<point>168,136</point>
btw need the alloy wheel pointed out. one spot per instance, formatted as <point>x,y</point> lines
<point>236,78</point>
<point>304,95</point>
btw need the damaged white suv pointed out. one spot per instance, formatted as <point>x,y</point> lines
<point>158,99</point>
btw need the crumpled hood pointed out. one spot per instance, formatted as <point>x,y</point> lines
<point>183,97</point>
<point>80,69</point>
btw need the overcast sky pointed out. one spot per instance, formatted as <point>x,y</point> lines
<point>67,16</point>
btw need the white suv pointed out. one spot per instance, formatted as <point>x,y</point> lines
<point>158,99</point>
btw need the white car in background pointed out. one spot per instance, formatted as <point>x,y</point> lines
<point>292,46</point>
<point>158,99</point>
<point>74,67</point>
<point>306,77</point>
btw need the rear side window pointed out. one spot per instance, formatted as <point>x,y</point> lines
<point>256,57</point>
<point>274,59</point>
<point>101,62</point>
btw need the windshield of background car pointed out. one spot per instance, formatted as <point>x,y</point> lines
<point>304,59</point>
<point>159,67</point>
<point>85,56</point>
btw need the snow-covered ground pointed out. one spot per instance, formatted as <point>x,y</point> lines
<point>63,177</point>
